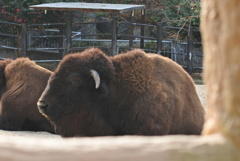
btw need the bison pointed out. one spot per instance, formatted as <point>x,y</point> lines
<point>22,82</point>
<point>133,93</point>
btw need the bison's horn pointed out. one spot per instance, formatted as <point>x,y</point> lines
<point>96,77</point>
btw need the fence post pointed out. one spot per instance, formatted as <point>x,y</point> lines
<point>190,52</point>
<point>114,37</point>
<point>159,38</point>
<point>68,43</point>
<point>142,29</point>
<point>61,40</point>
<point>131,31</point>
<point>23,43</point>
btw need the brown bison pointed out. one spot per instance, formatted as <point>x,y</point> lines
<point>21,84</point>
<point>134,93</point>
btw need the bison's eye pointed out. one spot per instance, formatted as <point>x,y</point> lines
<point>76,81</point>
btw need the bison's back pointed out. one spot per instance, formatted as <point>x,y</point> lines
<point>159,95</point>
<point>188,115</point>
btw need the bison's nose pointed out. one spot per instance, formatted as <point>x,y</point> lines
<point>42,106</point>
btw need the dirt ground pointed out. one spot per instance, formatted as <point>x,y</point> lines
<point>39,135</point>
<point>201,90</point>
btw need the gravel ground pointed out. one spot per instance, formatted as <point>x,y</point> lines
<point>9,134</point>
<point>201,90</point>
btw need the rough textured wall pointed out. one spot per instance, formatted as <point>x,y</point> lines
<point>221,38</point>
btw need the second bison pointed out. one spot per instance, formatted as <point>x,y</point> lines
<point>22,82</point>
<point>134,93</point>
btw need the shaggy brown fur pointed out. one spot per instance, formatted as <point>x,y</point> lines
<point>139,94</point>
<point>21,84</point>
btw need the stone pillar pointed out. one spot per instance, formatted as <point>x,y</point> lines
<point>221,39</point>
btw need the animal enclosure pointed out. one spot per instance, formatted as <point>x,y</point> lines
<point>220,141</point>
<point>111,35</point>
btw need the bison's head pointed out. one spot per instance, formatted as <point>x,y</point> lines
<point>75,90</point>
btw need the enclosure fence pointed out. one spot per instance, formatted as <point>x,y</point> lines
<point>52,38</point>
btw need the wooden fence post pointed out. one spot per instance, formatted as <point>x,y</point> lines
<point>23,42</point>
<point>68,43</point>
<point>131,30</point>
<point>142,29</point>
<point>159,38</point>
<point>61,40</point>
<point>114,37</point>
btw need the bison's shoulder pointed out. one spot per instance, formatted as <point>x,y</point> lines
<point>25,65</point>
<point>21,69</point>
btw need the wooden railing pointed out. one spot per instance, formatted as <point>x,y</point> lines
<point>53,37</point>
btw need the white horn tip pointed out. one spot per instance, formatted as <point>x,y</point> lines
<point>96,78</point>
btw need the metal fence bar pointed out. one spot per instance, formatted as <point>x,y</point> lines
<point>32,49</point>
<point>81,48</point>
<point>47,24</point>
<point>8,47</point>
<point>46,61</point>
<point>9,35</point>
<point>91,22</point>
<point>105,34</point>
<point>48,36</point>
<point>133,36</point>
<point>138,24</point>
<point>175,28</point>
<point>10,23</point>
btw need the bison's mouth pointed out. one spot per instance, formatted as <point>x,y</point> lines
<point>43,110</point>
<point>47,111</point>
<point>44,114</point>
